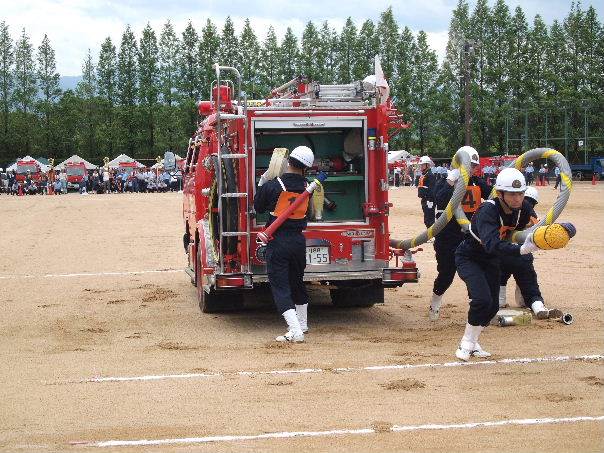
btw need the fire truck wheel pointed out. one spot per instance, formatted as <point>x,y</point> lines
<point>357,293</point>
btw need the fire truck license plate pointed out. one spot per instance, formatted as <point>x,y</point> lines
<point>317,255</point>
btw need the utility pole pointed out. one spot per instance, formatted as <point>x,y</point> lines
<point>468,48</point>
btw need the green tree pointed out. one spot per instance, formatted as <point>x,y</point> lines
<point>24,93</point>
<point>127,92</point>
<point>592,34</point>
<point>48,82</point>
<point>538,41</point>
<point>148,85</point>
<point>269,62</point>
<point>481,118</point>
<point>6,85</point>
<point>168,73</point>
<point>368,45</point>
<point>229,45</point>
<point>288,57</point>
<point>424,92</point>
<point>518,57</point>
<point>209,54</point>
<point>250,54</point>
<point>309,52</point>
<point>327,63</point>
<point>69,123</point>
<point>402,87</point>
<point>496,82</point>
<point>387,30</point>
<point>86,92</point>
<point>347,52</point>
<point>189,78</point>
<point>452,76</point>
<point>107,90</point>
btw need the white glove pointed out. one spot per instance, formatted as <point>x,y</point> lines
<point>262,179</point>
<point>528,246</point>
<point>429,204</point>
<point>453,175</point>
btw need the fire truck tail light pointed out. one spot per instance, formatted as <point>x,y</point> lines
<point>233,281</point>
<point>396,276</point>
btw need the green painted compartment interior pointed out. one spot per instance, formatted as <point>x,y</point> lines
<point>346,189</point>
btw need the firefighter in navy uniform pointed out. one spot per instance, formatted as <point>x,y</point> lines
<point>286,253</point>
<point>523,270</point>
<point>425,189</point>
<point>478,256</point>
<point>451,235</point>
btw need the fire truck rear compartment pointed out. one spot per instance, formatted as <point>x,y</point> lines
<point>345,188</point>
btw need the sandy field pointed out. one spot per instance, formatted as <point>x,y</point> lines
<point>101,340</point>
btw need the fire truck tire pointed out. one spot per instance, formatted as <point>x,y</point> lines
<point>357,293</point>
<point>214,301</point>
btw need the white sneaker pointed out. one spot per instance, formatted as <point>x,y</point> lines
<point>302,314</point>
<point>463,354</point>
<point>433,315</point>
<point>435,303</point>
<point>479,352</point>
<point>291,336</point>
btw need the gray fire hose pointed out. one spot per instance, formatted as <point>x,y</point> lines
<point>555,210</point>
<point>461,160</point>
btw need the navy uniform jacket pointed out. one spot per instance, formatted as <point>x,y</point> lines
<point>490,225</point>
<point>442,194</point>
<point>425,187</point>
<point>268,194</point>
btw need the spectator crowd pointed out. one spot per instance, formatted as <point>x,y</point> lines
<point>57,182</point>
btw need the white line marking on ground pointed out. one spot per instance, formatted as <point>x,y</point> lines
<point>517,361</point>
<point>339,432</point>
<point>87,274</point>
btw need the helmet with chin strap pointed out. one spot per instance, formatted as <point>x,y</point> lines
<point>474,158</point>
<point>510,180</point>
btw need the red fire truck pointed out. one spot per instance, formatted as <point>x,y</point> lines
<point>348,127</point>
<point>496,161</point>
<point>25,167</point>
<point>75,172</point>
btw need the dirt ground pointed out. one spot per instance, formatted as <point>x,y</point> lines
<point>75,306</point>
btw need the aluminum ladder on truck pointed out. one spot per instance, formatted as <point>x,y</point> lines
<point>245,267</point>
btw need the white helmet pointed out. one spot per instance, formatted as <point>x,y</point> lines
<point>533,193</point>
<point>474,158</point>
<point>304,155</point>
<point>510,180</point>
<point>425,160</point>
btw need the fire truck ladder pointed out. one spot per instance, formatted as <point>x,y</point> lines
<point>241,114</point>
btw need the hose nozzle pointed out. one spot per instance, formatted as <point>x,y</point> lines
<point>567,319</point>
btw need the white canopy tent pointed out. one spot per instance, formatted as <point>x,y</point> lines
<point>76,159</point>
<point>13,167</point>
<point>115,163</point>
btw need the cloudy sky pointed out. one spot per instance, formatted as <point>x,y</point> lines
<point>74,26</point>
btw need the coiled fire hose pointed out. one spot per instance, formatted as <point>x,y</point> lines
<point>565,175</point>
<point>461,160</point>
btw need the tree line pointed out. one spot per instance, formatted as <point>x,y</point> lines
<point>139,97</point>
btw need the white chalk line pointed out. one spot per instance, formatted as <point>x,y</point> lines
<point>87,274</point>
<point>516,361</point>
<point>340,432</point>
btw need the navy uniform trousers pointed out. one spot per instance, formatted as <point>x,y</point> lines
<point>481,273</point>
<point>445,244</point>
<point>285,263</point>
